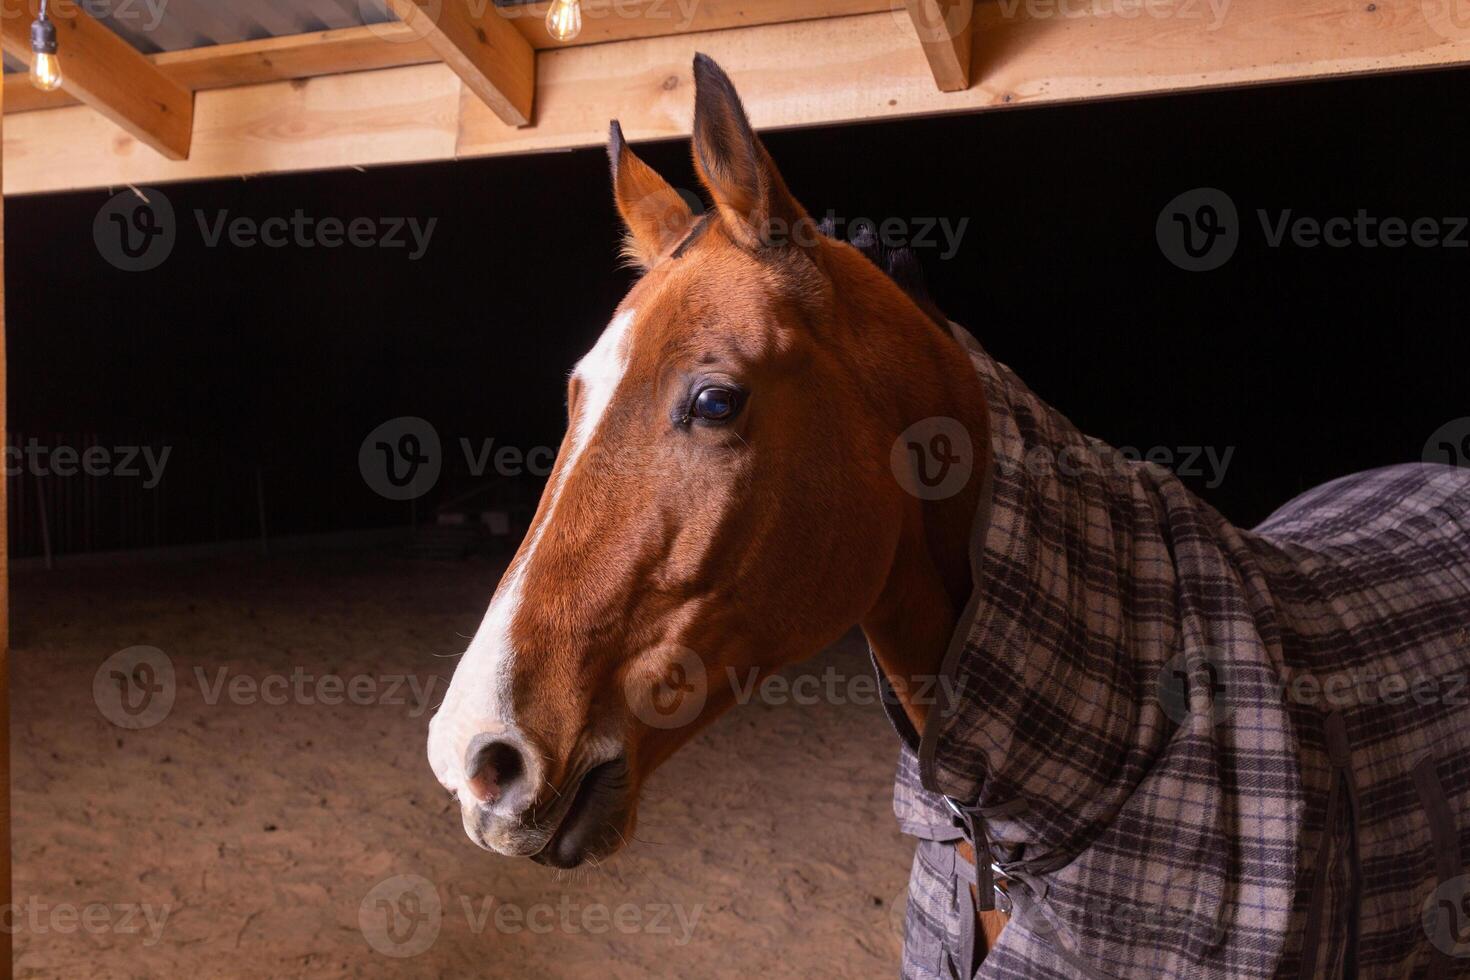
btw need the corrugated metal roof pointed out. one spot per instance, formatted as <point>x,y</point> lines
<point>152,26</point>
<point>171,25</point>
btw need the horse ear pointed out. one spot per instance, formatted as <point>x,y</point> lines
<point>753,202</point>
<point>654,213</point>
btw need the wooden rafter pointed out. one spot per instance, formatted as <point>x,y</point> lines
<point>483,48</point>
<point>946,33</point>
<point>6,942</point>
<point>274,59</point>
<point>833,70</point>
<point>393,45</point>
<point>105,72</point>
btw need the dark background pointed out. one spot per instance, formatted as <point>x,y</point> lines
<point>1311,362</point>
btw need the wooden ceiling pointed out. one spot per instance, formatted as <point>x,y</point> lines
<point>259,86</point>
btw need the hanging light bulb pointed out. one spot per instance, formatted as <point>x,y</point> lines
<point>564,19</point>
<point>45,69</point>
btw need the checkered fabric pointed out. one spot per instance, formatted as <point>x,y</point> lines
<point>1198,751</point>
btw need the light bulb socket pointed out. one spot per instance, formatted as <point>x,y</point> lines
<point>43,36</point>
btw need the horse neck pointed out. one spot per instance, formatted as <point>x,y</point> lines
<point>926,374</point>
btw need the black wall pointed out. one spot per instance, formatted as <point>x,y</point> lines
<point>1310,361</point>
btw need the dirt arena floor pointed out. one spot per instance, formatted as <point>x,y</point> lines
<point>279,819</point>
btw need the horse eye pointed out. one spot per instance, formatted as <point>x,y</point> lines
<point>715,404</point>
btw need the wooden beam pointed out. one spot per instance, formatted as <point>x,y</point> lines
<point>838,70</point>
<point>6,940</point>
<point>273,59</point>
<point>483,48</point>
<point>623,20</point>
<point>394,44</point>
<point>945,31</point>
<point>105,72</point>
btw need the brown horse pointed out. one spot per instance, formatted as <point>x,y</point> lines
<point>723,499</point>
<point>1151,745</point>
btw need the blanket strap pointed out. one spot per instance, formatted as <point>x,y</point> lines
<point>1342,802</point>
<point>1446,840</point>
<point>985,894</point>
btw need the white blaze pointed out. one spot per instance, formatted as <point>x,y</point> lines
<point>479,696</point>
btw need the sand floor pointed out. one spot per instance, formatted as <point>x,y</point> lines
<point>272,824</point>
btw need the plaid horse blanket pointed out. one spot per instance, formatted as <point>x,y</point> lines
<point>1194,750</point>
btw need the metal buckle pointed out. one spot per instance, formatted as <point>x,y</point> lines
<point>957,812</point>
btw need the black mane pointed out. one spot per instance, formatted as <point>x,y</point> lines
<point>899,264</point>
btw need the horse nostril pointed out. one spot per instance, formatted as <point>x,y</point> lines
<point>492,765</point>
